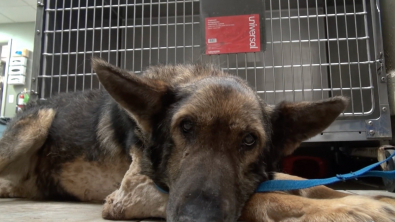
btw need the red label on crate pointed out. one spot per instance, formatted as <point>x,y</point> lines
<point>233,34</point>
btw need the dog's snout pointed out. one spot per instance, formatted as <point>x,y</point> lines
<point>198,196</point>
<point>201,207</point>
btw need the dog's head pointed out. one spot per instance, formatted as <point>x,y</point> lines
<point>207,136</point>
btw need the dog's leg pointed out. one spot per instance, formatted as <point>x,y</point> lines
<point>136,198</point>
<point>318,203</point>
<point>278,206</point>
<point>21,140</point>
<point>25,136</point>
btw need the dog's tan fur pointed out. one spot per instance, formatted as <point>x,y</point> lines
<point>75,175</point>
<point>17,177</point>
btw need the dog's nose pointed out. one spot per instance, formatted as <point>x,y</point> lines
<point>201,208</point>
<point>200,219</point>
<point>193,213</point>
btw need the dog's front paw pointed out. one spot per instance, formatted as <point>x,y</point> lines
<point>8,190</point>
<point>352,209</point>
<point>112,210</point>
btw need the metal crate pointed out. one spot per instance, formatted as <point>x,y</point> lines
<point>315,49</point>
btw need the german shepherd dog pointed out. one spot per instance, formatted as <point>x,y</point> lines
<point>202,134</point>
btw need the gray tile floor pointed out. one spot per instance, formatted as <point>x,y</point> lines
<point>14,210</point>
<point>26,210</point>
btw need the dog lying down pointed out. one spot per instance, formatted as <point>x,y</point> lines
<point>196,131</point>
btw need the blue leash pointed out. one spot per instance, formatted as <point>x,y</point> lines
<point>283,185</point>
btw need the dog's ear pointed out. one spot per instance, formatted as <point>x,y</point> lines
<point>141,97</point>
<point>292,123</point>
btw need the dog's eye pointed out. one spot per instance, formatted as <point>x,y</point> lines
<point>186,126</point>
<point>249,140</point>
